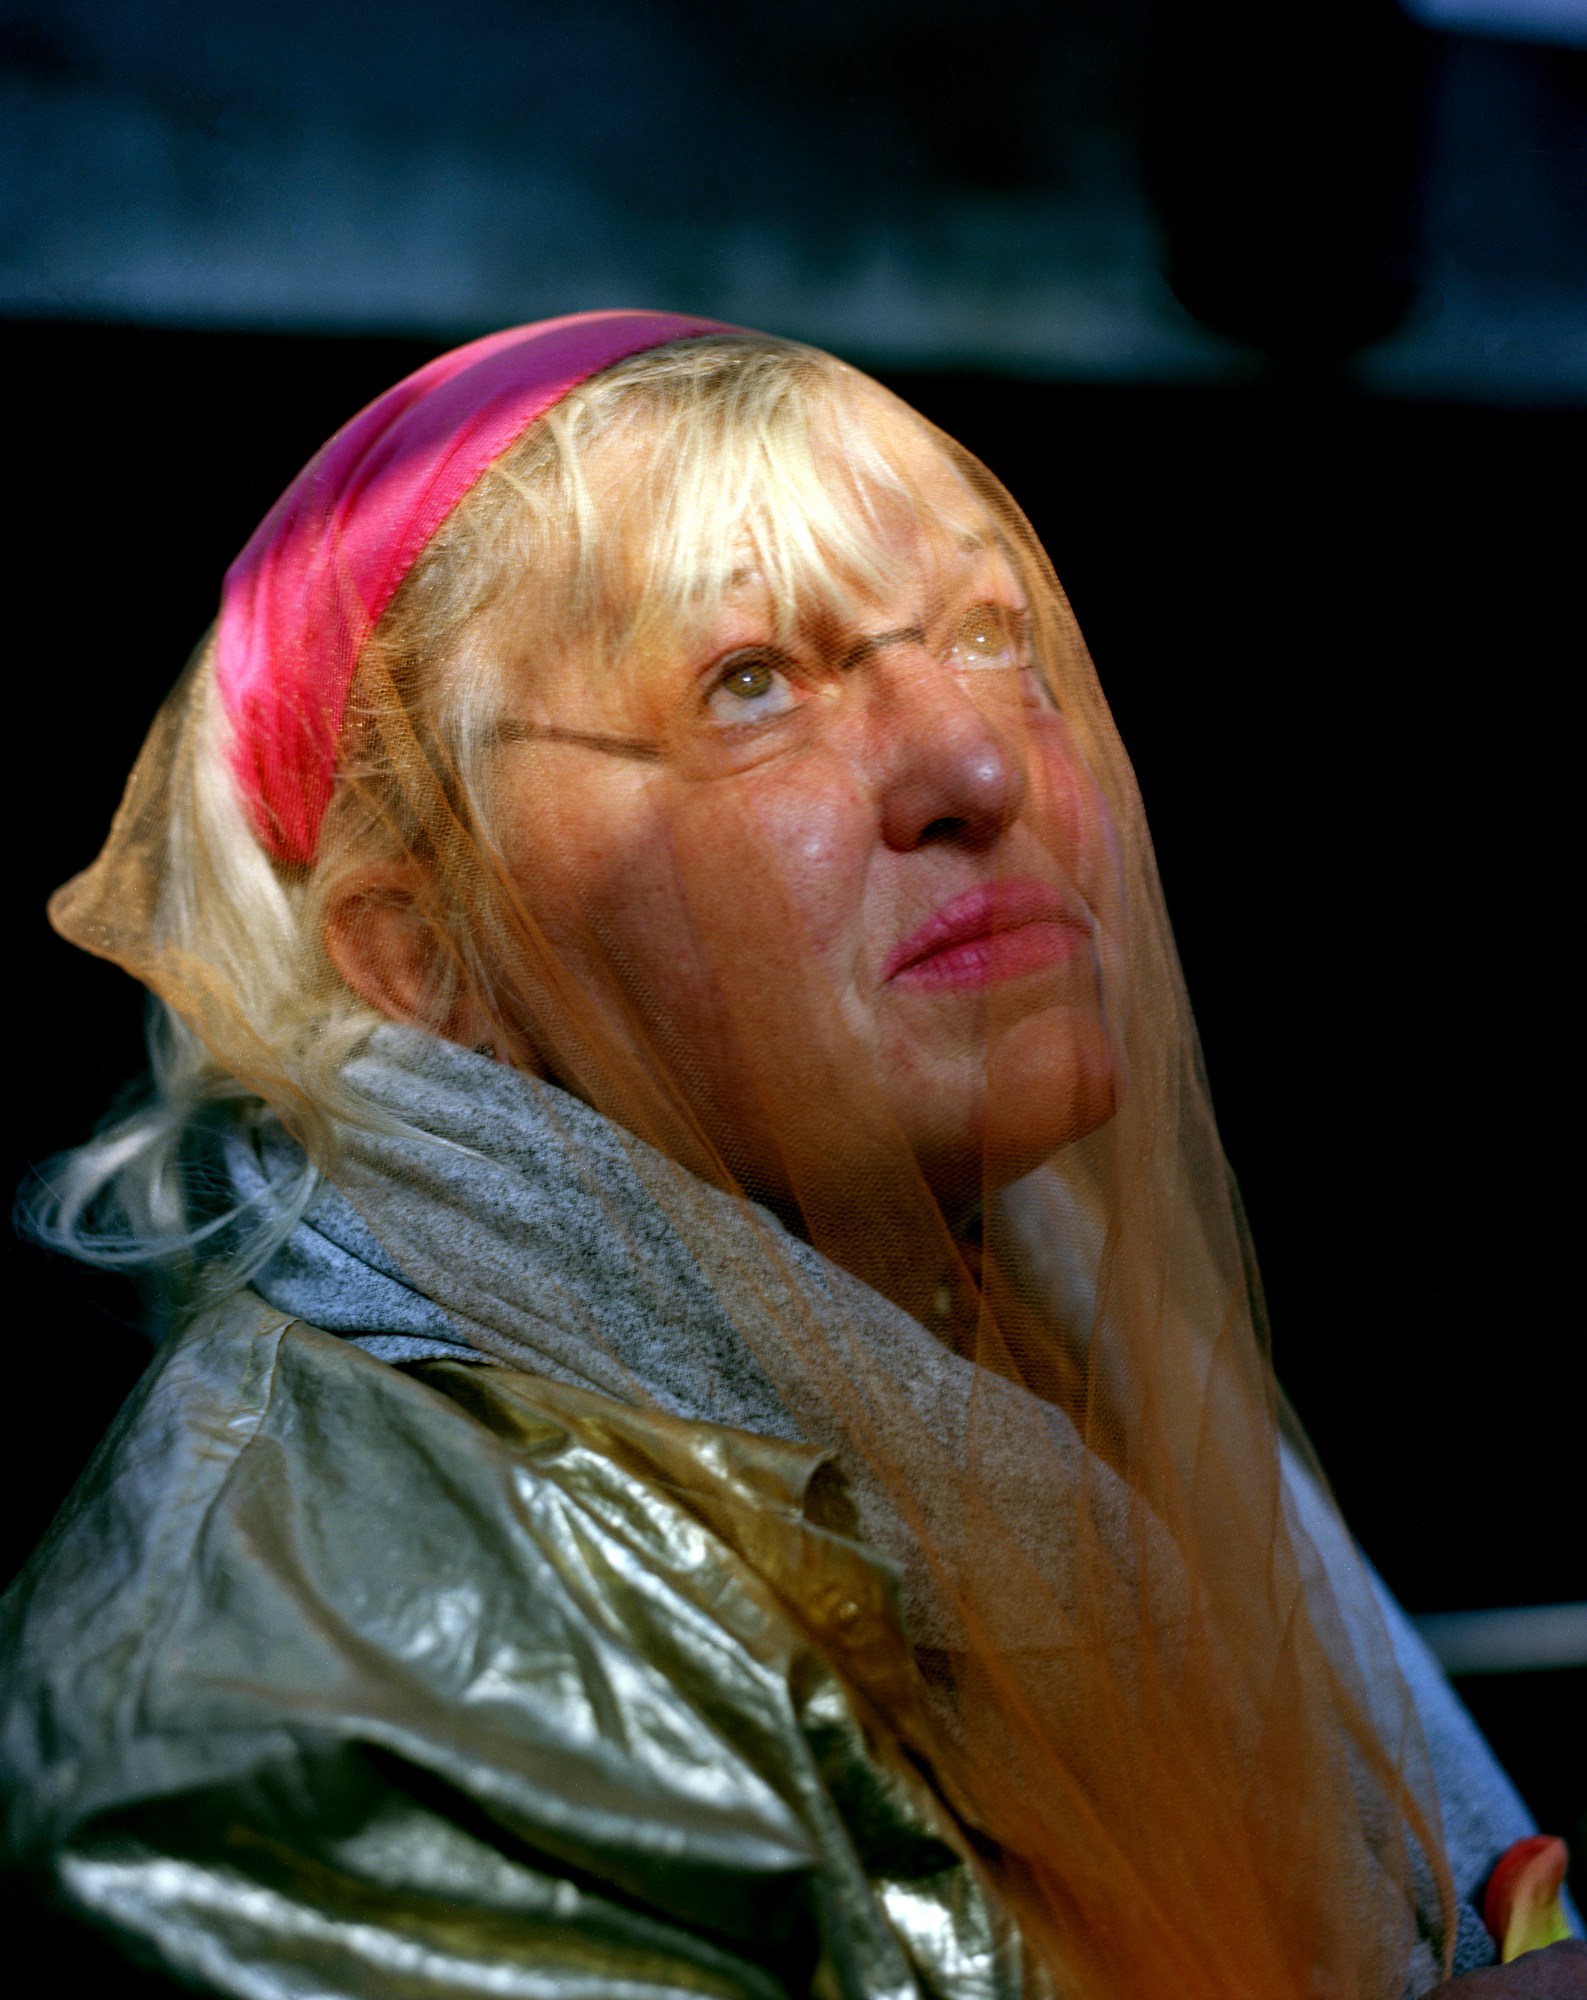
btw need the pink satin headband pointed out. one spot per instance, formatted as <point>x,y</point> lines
<point>305,594</point>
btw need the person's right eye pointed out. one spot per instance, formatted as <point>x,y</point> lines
<point>754,685</point>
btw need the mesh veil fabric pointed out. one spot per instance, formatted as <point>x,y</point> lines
<point>1178,1732</point>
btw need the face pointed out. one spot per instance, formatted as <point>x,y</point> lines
<point>839,878</point>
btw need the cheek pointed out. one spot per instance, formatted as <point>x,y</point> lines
<point>1066,809</point>
<point>795,845</point>
<point>593,868</point>
<point>687,896</point>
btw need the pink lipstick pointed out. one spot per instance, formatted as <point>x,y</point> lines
<point>995,932</point>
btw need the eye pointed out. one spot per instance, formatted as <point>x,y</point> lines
<point>990,635</point>
<point>750,687</point>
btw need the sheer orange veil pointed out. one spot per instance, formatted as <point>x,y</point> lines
<point>1157,1694</point>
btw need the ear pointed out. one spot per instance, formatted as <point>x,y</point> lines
<point>382,940</point>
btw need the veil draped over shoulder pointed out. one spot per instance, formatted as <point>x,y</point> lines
<point>1157,1694</point>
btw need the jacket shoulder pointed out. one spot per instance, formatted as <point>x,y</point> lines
<point>319,1639</point>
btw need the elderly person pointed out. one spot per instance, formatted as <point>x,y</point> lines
<point>713,1432</point>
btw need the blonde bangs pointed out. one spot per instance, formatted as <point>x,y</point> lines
<point>635,507</point>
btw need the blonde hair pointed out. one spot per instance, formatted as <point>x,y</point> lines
<point>620,517</point>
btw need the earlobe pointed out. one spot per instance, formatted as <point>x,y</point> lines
<point>384,942</point>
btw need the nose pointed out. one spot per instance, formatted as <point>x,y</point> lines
<point>944,770</point>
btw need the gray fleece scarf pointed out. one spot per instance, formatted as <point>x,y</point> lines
<point>533,1231</point>
<point>521,1183</point>
<point>501,1218</point>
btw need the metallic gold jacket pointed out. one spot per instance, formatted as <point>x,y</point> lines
<point>340,1678</point>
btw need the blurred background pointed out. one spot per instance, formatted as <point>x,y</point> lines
<point>1273,316</point>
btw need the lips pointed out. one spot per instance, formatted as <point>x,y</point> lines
<point>998,931</point>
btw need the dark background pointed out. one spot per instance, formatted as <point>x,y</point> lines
<point>1274,319</point>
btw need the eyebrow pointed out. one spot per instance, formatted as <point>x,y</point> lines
<point>862,649</point>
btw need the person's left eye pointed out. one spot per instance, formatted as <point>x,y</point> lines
<point>990,635</point>
<point>750,687</point>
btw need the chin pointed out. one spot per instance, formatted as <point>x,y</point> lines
<point>1050,1080</point>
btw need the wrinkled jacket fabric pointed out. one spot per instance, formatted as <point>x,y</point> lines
<point>344,1678</point>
